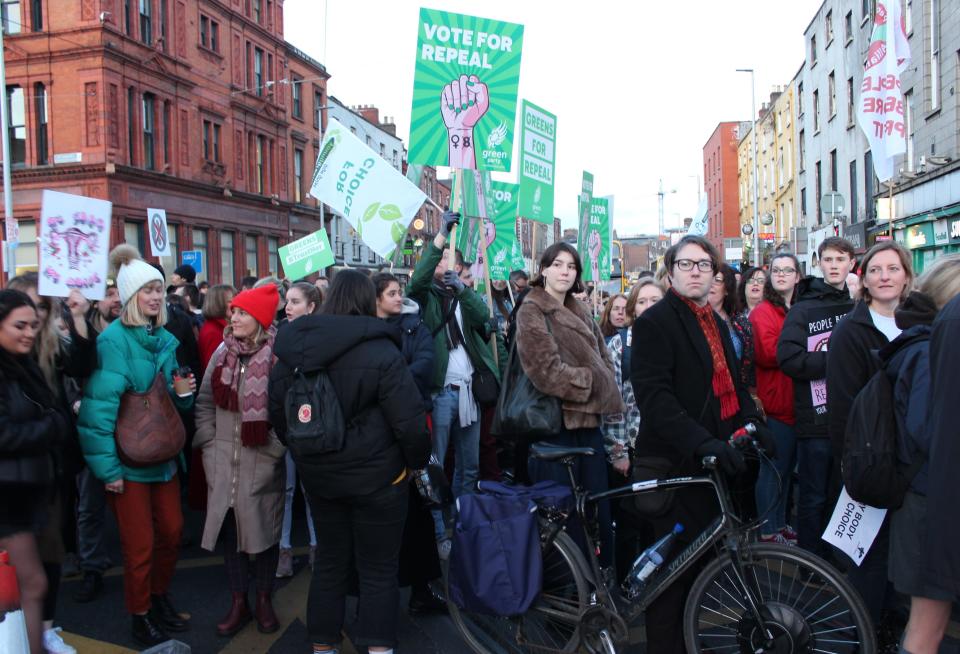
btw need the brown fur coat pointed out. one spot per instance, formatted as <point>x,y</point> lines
<point>567,358</point>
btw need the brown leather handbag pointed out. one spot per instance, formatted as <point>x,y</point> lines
<point>149,430</point>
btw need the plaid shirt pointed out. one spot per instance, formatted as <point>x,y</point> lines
<point>620,429</point>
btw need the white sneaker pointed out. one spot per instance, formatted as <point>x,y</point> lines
<point>443,549</point>
<point>53,643</point>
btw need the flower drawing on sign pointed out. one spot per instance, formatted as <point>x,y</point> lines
<point>463,102</point>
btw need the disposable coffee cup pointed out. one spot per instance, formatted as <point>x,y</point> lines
<point>181,386</point>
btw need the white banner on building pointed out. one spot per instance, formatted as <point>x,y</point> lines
<point>74,243</point>
<point>373,196</point>
<point>881,111</point>
<point>159,236</point>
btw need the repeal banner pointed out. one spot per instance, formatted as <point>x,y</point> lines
<point>372,195</point>
<point>538,155</point>
<point>464,91</point>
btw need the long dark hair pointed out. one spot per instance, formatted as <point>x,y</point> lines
<point>730,289</point>
<point>500,297</point>
<point>11,299</point>
<point>770,294</point>
<point>606,327</point>
<point>382,280</point>
<point>351,294</point>
<point>547,258</point>
<point>745,278</point>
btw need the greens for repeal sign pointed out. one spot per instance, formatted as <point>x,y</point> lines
<point>594,247</point>
<point>538,140</point>
<point>464,91</point>
<point>306,255</point>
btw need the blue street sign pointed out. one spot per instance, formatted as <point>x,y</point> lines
<point>192,258</point>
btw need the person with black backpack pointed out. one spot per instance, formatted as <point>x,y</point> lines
<point>907,362</point>
<point>886,276</point>
<point>355,468</point>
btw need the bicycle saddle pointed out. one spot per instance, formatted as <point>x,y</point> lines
<point>550,452</point>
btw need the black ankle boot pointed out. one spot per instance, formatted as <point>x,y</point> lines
<point>162,609</point>
<point>147,631</point>
<point>90,587</point>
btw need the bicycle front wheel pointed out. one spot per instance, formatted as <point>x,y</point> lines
<point>551,624</point>
<point>805,604</point>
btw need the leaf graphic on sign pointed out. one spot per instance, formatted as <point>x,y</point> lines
<point>397,232</point>
<point>536,195</point>
<point>370,212</point>
<point>390,212</point>
<point>308,264</point>
<point>497,136</point>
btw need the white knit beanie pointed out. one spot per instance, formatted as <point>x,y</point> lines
<point>131,272</point>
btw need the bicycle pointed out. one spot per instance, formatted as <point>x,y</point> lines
<point>752,597</point>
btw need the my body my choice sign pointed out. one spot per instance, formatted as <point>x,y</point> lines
<point>464,91</point>
<point>538,134</point>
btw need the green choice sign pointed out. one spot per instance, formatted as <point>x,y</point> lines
<point>464,91</point>
<point>538,140</point>
<point>306,255</point>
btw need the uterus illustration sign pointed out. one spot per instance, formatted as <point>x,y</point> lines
<point>74,244</point>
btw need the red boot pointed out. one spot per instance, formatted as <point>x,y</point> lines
<point>267,621</point>
<point>237,618</point>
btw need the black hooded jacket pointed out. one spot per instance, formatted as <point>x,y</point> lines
<point>802,350</point>
<point>382,407</point>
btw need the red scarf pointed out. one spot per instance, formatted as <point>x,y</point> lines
<point>723,386</point>
<point>252,406</point>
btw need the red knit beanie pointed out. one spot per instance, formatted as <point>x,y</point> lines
<point>261,303</point>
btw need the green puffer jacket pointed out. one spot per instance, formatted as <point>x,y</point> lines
<point>475,316</point>
<point>128,358</point>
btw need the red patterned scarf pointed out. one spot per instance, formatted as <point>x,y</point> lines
<point>723,386</point>
<point>252,407</point>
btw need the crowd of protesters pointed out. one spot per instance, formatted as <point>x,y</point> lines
<point>667,371</point>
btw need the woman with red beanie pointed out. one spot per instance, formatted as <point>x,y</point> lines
<point>242,458</point>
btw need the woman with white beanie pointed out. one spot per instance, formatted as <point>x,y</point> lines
<point>132,351</point>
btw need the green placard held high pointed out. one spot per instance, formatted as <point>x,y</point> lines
<point>538,140</point>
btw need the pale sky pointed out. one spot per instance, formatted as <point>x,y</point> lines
<point>637,87</point>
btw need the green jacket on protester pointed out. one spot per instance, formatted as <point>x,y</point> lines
<point>128,358</point>
<point>473,311</point>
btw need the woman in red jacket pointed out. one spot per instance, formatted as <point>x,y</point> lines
<point>215,306</point>
<point>775,391</point>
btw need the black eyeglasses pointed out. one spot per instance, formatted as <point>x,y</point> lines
<point>783,271</point>
<point>686,265</point>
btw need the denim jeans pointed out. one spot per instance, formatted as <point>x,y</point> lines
<point>814,460</point>
<point>288,506</point>
<point>361,533</point>
<point>465,440</point>
<point>91,508</point>
<point>775,476</point>
<point>590,472</point>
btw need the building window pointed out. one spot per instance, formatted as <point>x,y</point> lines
<point>18,125</point>
<point>273,256</point>
<point>258,10</point>
<point>163,24</point>
<point>908,115</point>
<point>131,125</point>
<point>818,182</point>
<point>40,121</point>
<point>36,14</point>
<point>204,31</point>
<point>148,131</point>
<point>127,17</point>
<point>248,67</point>
<point>297,175</point>
<point>833,170</point>
<point>851,109</point>
<point>251,253</point>
<point>258,70</point>
<point>133,234</point>
<point>813,51</point>
<point>317,106</point>
<point>800,99</point>
<point>226,258</point>
<point>27,246</point>
<point>828,24</point>
<point>174,243</point>
<point>816,112</point>
<point>216,143</point>
<point>848,27</point>
<point>934,56</point>
<point>10,13</point>
<point>832,95</point>
<point>167,132</point>
<point>211,141</point>
<point>146,14</point>
<point>200,245</point>
<point>854,208</point>
<point>866,9</point>
<point>214,35</point>
<point>296,91</point>
<point>259,164</point>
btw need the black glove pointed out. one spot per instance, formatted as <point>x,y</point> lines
<point>452,279</point>
<point>764,437</point>
<point>728,458</point>
<point>450,218</point>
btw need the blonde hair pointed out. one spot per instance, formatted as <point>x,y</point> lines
<point>941,281</point>
<point>132,315</point>
<point>49,343</point>
<point>905,261</point>
<point>215,304</point>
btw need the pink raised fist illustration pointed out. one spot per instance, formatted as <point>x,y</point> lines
<point>463,102</point>
<point>594,245</point>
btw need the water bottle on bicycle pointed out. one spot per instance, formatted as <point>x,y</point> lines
<point>649,562</point>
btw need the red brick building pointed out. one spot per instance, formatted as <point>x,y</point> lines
<point>720,182</point>
<point>196,107</point>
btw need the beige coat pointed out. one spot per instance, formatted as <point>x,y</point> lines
<point>250,480</point>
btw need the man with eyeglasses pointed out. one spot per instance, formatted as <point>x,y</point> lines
<point>687,382</point>
<point>802,355</point>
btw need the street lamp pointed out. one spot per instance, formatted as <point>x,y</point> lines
<point>660,195</point>
<point>757,257</point>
